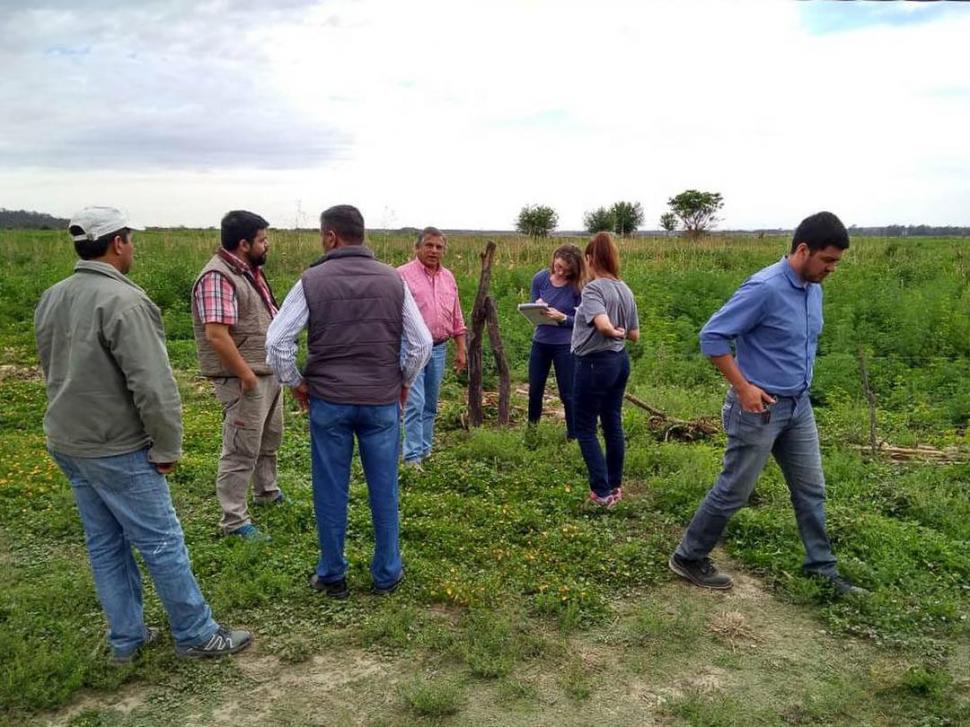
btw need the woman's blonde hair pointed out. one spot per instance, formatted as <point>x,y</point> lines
<point>603,253</point>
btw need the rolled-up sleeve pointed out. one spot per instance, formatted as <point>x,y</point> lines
<point>743,312</point>
<point>415,339</point>
<point>282,334</point>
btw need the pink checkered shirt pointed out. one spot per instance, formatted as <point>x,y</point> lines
<point>437,297</point>
<point>215,298</point>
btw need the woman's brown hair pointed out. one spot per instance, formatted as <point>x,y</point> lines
<point>603,254</point>
<point>572,256</point>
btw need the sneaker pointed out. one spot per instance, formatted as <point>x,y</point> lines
<point>701,572</point>
<point>151,634</point>
<point>840,584</point>
<point>251,533</point>
<point>278,500</point>
<point>387,590</point>
<point>617,493</point>
<point>334,589</point>
<point>223,641</point>
<point>608,502</point>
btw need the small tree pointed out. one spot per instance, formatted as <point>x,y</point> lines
<point>668,221</point>
<point>537,220</point>
<point>627,217</point>
<point>697,210</point>
<point>599,220</point>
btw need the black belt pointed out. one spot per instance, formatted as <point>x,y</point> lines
<point>438,343</point>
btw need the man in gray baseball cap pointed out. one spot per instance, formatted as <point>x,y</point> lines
<point>114,427</point>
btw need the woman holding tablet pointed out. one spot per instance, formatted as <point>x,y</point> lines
<point>605,318</point>
<point>558,286</point>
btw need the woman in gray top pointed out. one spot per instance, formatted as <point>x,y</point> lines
<point>605,318</point>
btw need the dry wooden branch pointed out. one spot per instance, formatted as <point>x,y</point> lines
<point>870,397</point>
<point>668,427</point>
<point>921,452</point>
<point>479,318</point>
<point>501,363</point>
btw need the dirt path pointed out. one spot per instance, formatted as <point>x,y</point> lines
<point>677,654</point>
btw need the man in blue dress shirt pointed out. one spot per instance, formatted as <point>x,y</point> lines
<point>773,320</point>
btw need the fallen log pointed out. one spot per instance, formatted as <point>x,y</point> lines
<point>668,427</point>
<point>921,452</point>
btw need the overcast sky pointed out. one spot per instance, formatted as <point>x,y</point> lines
<point>456,113</point>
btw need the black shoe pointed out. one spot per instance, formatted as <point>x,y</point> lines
<point>224,641</point>
<point>151,635</point>
<point>335,589</point>
<point>387,590</point>
<point>701,572</point>
<point>841,585</point>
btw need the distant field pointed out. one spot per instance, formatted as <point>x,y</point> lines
<point>506,566</point>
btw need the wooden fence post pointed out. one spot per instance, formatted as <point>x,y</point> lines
<point>871,398</point>
<point>501,363</point>
<point>484,312</point>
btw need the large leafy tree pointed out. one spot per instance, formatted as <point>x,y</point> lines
<point>536,220</point>
<point>598,220</point>
<point>696,210</point>
<point>627,217</point>
<point>668,221</point>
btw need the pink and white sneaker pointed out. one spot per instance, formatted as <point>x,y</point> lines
<point>608,502</point>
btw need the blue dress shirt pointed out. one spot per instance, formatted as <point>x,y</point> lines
<point>774,320</point>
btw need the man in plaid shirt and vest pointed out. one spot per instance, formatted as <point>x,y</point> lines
<point>232,306</point>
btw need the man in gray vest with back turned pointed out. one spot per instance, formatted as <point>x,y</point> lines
<point>232,306</point>
<point>366,344</point>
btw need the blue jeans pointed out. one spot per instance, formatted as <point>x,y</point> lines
<point>598,388</point>
<point>792,437</point>
<point>540,358</point>
<point>422,406</point>
<point>332,431</point>
<point>125,502</point>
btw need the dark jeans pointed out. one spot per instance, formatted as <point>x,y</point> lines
<point>541,357</point>
<point>598,388</point>
<point>792,438</point>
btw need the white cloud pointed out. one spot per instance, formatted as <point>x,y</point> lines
<point>456,114</point>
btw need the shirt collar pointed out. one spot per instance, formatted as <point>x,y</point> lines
<point>240,265</point>
<point>794,278</point>
<point>94,266</point>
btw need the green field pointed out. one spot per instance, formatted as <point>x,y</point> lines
<point>522,605</point>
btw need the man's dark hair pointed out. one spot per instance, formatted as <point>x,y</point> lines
<point>239,225</point>
<point>93,249</point>
<point>430,232</point>
<point>346,222</point>
<point>821,230</point>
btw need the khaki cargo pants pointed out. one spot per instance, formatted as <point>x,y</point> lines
<point>252,429</point>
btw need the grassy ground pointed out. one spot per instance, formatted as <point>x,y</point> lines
<point>522,605</point>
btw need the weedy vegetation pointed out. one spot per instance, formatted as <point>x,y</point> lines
<point>521,604</point>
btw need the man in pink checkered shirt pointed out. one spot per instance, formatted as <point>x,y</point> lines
<point>232,306</point>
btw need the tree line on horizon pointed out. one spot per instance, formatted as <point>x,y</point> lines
<point>695,213</point>
<point>29,220</point>
<point>692,210</point>
<point>622,218</point>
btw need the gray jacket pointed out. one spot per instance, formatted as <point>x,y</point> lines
<point>110,388</point>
